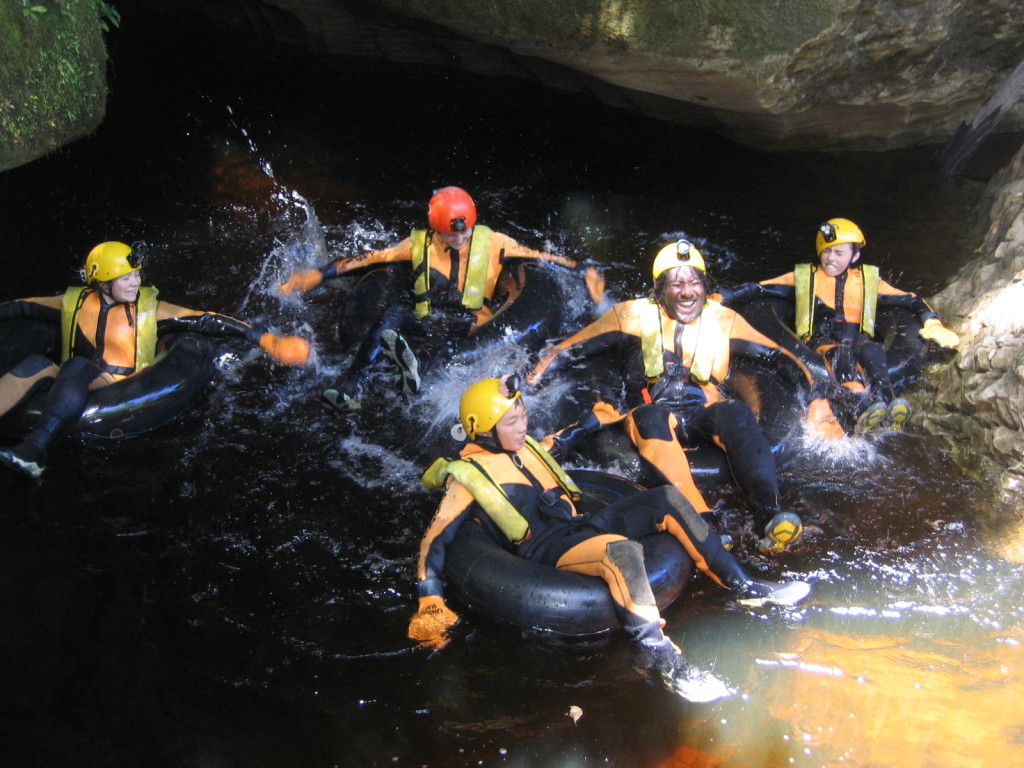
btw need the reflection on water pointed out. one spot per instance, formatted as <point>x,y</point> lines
<point>233,589</point>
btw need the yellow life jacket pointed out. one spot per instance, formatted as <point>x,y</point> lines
<point>476,271</point>
<point>803,277</point>
<point>490,495</point>
<point>145,322</point>
<point>700,350</point>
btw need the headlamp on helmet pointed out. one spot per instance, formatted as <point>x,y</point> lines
<point>484,403</point>
<point>835,231</point>
<point>111,260</point>
<point>451,210</point>
<point>681,253</point>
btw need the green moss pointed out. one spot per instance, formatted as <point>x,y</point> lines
<point>52,74</point>
<point>747,30</point>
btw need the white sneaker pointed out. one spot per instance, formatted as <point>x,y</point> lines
<point>397,349</point>
<point>758,592</point>
<point>696,685</point>
<point>11,460</point>
<point>342,401</point>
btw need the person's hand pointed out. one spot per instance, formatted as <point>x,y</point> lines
<point>934,330</point>
<point>740,294</point>
<point>606,413</point>
<point>303,281</point>
<point>429,626</point>
<point>289,350</point>
<point>595,285</point>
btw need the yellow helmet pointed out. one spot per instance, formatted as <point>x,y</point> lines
<point>483,405</point>
<point>681,253</point>
<point>111,260</point>
<point>836,231</point>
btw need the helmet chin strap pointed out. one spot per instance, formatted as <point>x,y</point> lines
<point>107,297</point>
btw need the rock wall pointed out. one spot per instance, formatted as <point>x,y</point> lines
<point>773,74</point>
<point>978,402</point>
<point>53,66</point>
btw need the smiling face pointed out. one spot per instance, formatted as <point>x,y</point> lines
<point>837,258</point>
<point>510,430</point>
<point>124,288</point>
<point>683,294</point>
<point>457,240</point>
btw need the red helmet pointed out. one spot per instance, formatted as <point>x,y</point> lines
<point>451,210</point>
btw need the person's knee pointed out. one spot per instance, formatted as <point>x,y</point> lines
<point>627,557</point>
<point>34,366</point>
<point>653,422</point>
<point>78,371</point>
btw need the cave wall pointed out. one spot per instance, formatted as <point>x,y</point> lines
<point>976,402</point>
<point>776,74</point>
<point>53,65</point>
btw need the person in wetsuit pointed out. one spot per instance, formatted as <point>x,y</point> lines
<point>513,486</point>
<point>836,304</point>
<point>678,346</point>
<point>109,331</point>
<point>459,268</point>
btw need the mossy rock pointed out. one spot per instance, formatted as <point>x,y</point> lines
<point>53,62</point>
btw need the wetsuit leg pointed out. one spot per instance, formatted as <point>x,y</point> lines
<point>620,563</point>
<point>665,509</point>
<point>843,362</point>
<point>871,356</point>
<point>63,405</point>
<point>652,428</point>
<point>369,349</point>
<point>33,374</point>
<point>731,425</point>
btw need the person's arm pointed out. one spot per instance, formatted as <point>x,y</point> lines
<point>429,625</point>
<point>561,443</point>
<point>781,287</point>
<point>512,250</point>
<point>789,351</point>
<point>308,279</point>
<point>44,308</point>
<point>289,350</point>
<point>932,328</point>
<point>601,335</point>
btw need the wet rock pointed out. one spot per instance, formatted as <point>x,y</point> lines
<point>779,74</point>
<point>976,403</point>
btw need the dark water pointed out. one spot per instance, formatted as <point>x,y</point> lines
<point>233,589</point>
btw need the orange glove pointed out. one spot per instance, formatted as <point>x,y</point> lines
<point>821,422</point>
<point>290,350</point>
<point>934,330</point>
<point>606,413</point>
<point>429,627</point>
<point>595,285</point>
<point>303,281</point>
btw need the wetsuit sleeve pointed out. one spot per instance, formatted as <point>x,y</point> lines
<point>510,250</point>
<point>788,279</point>
<point>890,296</point>
<point>601,335</point>
<point>45,308</point>
<point>746,341</point>
<point>451,513</point>
<point>391,255</point>
<point>173,318</point>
